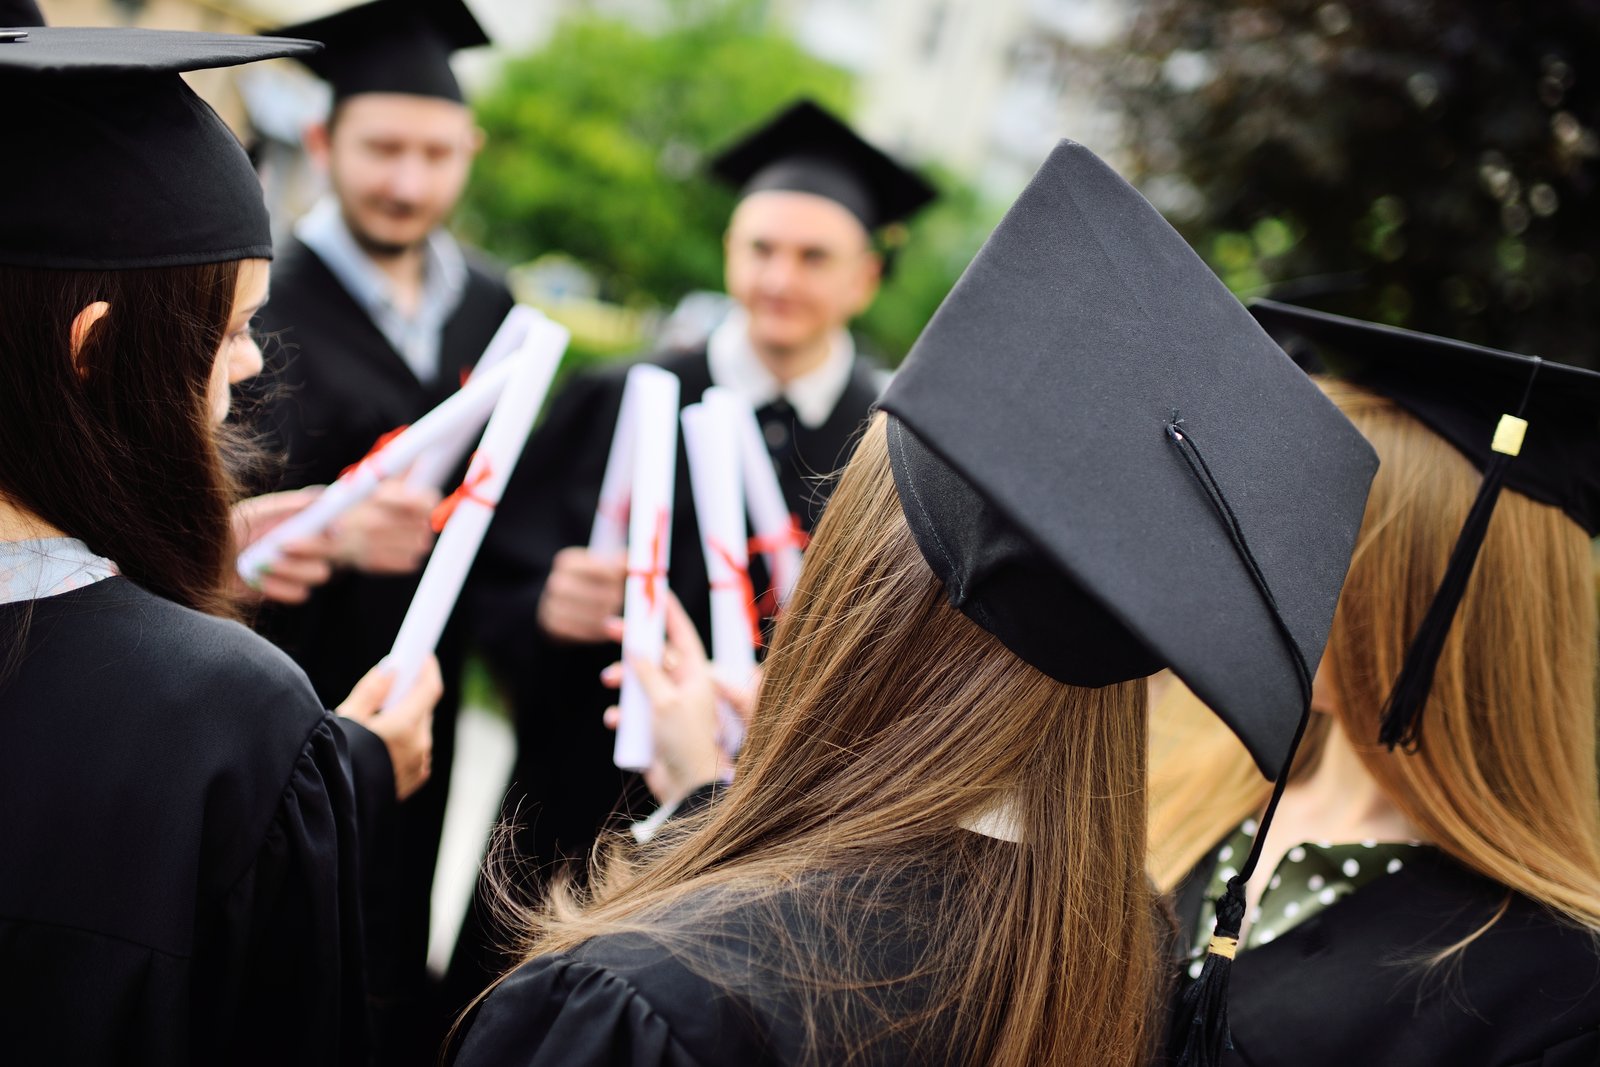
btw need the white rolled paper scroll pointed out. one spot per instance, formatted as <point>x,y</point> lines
<point>777,531</point>
<point>434,466</point>
<point>470,508</point>
<point>470,406</point>
<point>711,438</point>
<point>648,432</point>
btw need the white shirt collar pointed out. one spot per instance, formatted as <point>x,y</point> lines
<point>999,822</point>
<point>734,365</point>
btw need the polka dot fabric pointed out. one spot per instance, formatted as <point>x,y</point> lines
<point>1311,877</point>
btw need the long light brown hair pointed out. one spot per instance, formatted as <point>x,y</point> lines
<point>1505,781</point>
<point>886,719</point>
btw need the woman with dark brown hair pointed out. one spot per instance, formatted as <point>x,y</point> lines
<point>932,850</point>
<point>1430,886</point>
<point>181,877</point>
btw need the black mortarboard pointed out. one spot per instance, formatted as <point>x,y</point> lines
<point>17,13</point>
<point>806,150</point>
<point>120,164</point>
<point>1528,424</point>
<point>1114,469</point>
<point>391,46</point>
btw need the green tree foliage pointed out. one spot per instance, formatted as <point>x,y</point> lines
<point>1424,163</point>
<point>597,146</point>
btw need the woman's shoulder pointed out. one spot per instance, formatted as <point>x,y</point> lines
<point>159,658</point>
<point>625,998</point>
<point>1435,961</point>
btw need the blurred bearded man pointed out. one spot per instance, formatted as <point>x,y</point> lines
<point>377,312</point>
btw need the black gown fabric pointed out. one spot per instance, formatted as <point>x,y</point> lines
<point>334,385</point>
<point>1350,985</point>
<point>565,786</point>
<point>180,873</point>
<point>644,999</point>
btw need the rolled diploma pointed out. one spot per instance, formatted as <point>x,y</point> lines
<point>434,466</point>
<point>711,439</point>
<point>769,512</point>
<point>609,534</point>
<point>435,599</point>
<point>654,418</point>
<point>468,407</point>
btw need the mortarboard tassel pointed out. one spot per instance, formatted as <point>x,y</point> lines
<point>1200,1031</point>
<point>1402,712</point>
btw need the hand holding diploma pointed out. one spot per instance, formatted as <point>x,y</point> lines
<point>682,697</point>
<point>405,726</point>
<point>303,564</point>
<point>389,532</point>
<point>583,591</point>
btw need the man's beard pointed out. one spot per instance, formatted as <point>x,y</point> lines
<point>382,249</point>
<point>375,247</point>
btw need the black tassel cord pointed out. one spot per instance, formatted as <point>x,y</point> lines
<point>1200,1034</point>
<point>1401,725</point>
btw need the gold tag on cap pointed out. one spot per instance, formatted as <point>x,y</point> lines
<point>1508,435</point>
<point>1225,947</point>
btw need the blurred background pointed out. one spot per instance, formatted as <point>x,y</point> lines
<point>1426,164</point>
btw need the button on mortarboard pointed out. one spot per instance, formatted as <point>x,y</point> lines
<point>127,167</point>
<point>805,149</point>
<point>1064,386</point>
<point>391,46</point>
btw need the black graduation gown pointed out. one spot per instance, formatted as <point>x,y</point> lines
<point>178,858</point>
<point>566,786</point>
<point>334,385</point>
<point>632,1000</point>
<point>1343,986</point>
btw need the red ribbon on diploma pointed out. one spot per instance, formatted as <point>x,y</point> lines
<point>658,564</point>
<point>793,537</point>
<point>377,446</point>
<point>477,474</point>
<point>740,581</point>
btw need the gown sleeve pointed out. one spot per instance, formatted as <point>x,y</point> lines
<point>556,1011</point>
<point>288,983</point>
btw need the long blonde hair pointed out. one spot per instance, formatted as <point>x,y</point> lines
<point>886,719</point>
<point>1505,781</point>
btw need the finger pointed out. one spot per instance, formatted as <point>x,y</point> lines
<point>612,716</point>
<point>301,571</point>
<point>741,698</point>
<point>681,633</point>
<point>368,695</point>
<point>309,548</point>
<point>611,677</point>
<point>657,686</point>
<point>614,628</point>
<point>281,591</point>
<point>424,694</point>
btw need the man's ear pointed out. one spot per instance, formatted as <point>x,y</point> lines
<point>82,323</point>
<point>318,142</point>
<point>479,138</point>
<point>871,281</point>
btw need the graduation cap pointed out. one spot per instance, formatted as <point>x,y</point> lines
<point>391,46</point>
<point>807,150</point>
<point>125,165</point>
<point>18,13</point>
<point>1113,469</point>
<point>1528,424</point>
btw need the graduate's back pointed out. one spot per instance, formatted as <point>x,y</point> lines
<point>175,819</point>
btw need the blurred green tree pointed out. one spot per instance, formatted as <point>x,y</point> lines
<point>1423,163</point>
<point>597,146</point>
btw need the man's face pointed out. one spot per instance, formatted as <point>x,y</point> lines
<point>801,265</point>
<point>398,163</point>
